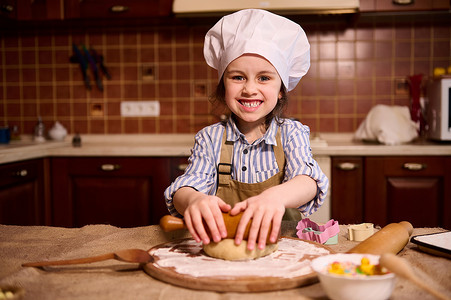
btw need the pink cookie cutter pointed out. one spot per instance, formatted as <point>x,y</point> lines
<point>309,230</point>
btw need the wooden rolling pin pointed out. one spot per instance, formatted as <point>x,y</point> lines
<point>170,223</point>
<point>390,239</point>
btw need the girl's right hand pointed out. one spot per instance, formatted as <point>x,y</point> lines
<point>205,210</point>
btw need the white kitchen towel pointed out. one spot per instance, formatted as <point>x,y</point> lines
<point>390,125</point>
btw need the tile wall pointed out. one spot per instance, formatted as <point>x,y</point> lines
<point>353,67</point>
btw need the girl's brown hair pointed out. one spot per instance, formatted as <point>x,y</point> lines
<point>218,97</point>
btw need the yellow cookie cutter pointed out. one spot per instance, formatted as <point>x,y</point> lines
<point>360,232</point>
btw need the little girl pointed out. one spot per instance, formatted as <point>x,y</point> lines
<point>256,162</point>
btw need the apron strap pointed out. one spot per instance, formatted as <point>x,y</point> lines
<point>225,163</point>
<point>278,152</point>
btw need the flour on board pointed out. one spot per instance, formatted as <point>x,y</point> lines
<point>292,259</point>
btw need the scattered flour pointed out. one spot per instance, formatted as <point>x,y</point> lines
<point>292,259</point>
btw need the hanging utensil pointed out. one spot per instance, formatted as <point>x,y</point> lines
<point>94,68</point>
<point>99,59</point>
<point>83,65</point>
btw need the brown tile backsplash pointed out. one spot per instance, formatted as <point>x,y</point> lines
<point>353,68</point>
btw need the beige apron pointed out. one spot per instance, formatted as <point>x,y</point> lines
<point>233,191</point>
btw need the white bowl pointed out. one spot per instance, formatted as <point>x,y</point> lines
<point>342,287</point>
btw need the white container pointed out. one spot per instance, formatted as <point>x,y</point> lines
<point>342,287</point>
<point>439,109</point>
<point>57,132</point>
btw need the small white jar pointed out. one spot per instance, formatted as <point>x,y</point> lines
<point>57,132</point>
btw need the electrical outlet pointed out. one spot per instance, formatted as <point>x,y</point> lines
<point>140,108</point>
<point>148,72</point>
<point>97,109</point>
<point>401,86</point>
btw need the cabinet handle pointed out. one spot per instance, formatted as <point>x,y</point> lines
<point>414,166</point>
<point>182,167</point>
<point>119,9</point>
<point>7,8</point>
<point>347,166</point>
<point>403,2</point>
<point>110,167</point>
<point>21,173</point>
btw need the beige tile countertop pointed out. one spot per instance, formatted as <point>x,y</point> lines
<point>324,144</point>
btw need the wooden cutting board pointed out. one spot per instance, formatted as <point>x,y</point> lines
<point>184,263</point>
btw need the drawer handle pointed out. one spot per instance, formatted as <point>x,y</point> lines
<point>182,167</point>
<point>414,166</point>
<point>347,166</point>
<point>110,167</point>
<point>21,173</point>
<point>119,9</point>
<point>7,8</point>
<point>403,2</point>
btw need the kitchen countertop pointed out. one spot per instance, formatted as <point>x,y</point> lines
<point>324,144</point>
<point>116,280</point>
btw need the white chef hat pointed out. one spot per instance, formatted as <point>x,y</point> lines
<point>281,41</point>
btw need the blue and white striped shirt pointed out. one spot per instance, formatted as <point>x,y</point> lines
<point>258,158</point>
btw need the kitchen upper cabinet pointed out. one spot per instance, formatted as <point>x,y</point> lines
<point>35,10</point>
<point>383,190</point>
<point>39,10</point>
<point>8,9</point>
<point>87,9</point>
<point>393,5</point>
<point>124,192</point>
<point>23,197</point>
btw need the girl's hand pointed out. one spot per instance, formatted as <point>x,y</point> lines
<point>269,207</point>
<point>206,210</point>
<point>264,212</point>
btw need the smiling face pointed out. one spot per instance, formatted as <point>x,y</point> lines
<point>252,89</point>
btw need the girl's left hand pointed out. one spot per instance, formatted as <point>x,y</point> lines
<point>264,212</point>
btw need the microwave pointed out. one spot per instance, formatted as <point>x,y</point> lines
<point>439,109</point>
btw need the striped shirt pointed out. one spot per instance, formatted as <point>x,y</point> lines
<point>252,163</point>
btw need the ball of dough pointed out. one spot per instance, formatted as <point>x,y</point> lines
<point>227,250</point>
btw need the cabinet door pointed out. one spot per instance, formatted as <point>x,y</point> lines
<point>347,189</point>
<point>87,9</point>
<point>405,189</point>
<point>124,192</point>
<point>22,193</point>
<point>8,9</point>
<point>38,9</point>
<point>415,5</point>
<point>178,166</point>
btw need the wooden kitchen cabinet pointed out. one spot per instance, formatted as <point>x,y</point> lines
<point>23,197</point>
<point>124,192</point>
<point>26,10</point>
<point>178,166</point>
<point>86,9</point>
<point>383,190</point>
<point>39,10</point>
<point>390,5</point>
<point>411,188</point>
<point>8,9</point>
<point>347,189</point>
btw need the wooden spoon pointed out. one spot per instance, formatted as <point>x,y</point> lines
<point>401,267</point>
<point>127,255</point>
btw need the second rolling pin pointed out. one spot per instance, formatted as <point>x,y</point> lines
<point>390,239</point>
